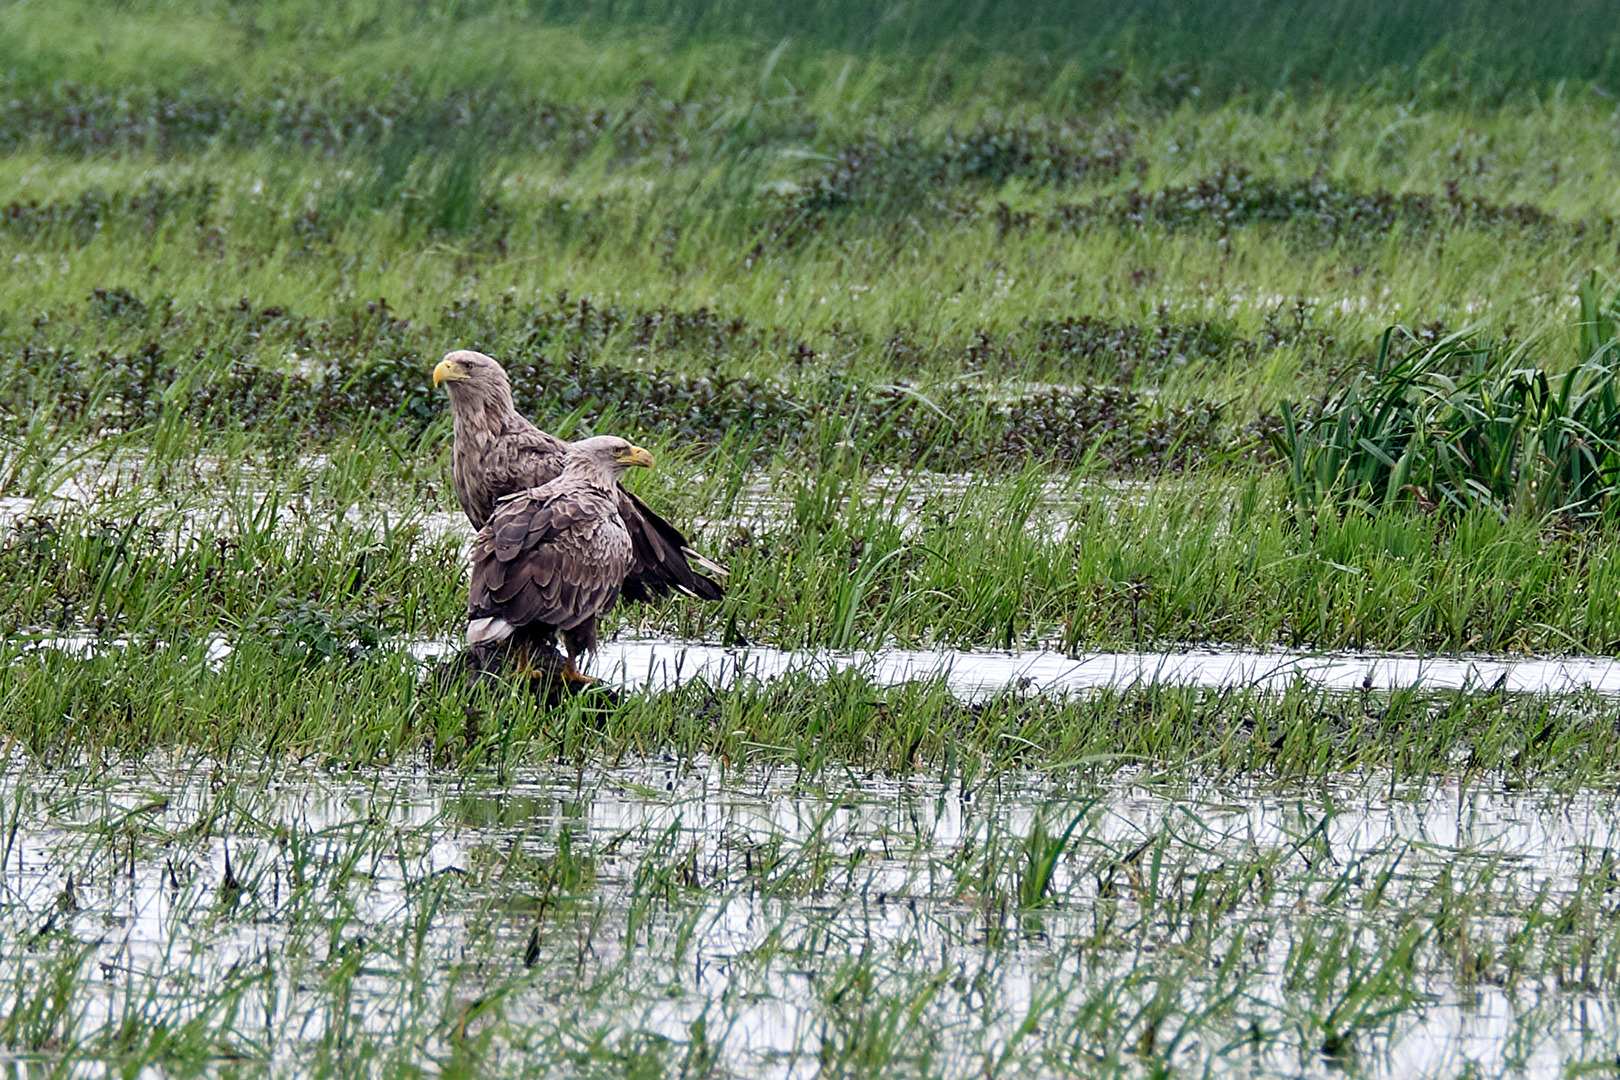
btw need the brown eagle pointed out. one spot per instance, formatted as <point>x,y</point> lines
<point>498,452</point>
<point>553,558</point>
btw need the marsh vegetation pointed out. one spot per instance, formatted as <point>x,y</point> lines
<point>990,327</point>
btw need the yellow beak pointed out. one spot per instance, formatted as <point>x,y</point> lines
<point>637,456</point>
<point>448,371</point>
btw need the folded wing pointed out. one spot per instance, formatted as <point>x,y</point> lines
<point>557,561</point>
<point>661,559</point>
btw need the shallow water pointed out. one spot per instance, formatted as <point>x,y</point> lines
<point>977,674</point>
<point>910,496</point>
<point>123,482</point>
<point>770,923</point>
<point>974,674</point>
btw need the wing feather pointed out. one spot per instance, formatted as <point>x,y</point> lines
<point>523,459</point>
<point>495,456</point>
<point>556,557</point>
<point>659,564</point>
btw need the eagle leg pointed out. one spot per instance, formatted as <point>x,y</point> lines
<point>577,642</point>
<point>523,663</point>
<point>576,679</point>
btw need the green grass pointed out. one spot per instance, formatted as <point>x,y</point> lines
<point>950,326</point>
<point>1057,54</point>
<point>327,698</point>
<point>822,555</point>
<point>629,919</point>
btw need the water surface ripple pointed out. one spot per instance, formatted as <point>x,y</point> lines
<point>765,922</point>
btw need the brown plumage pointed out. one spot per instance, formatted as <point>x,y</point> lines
<point>553,558</point>
<point>498,452</point>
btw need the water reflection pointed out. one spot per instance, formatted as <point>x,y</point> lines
<point>781,922</point>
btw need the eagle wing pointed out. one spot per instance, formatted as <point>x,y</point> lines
<point>524,457</point>
<point>661,560</point>
<point>490,465</point>
<point>552,558</point>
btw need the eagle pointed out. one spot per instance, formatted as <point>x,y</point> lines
<point>553,558</point>
<point>498,452</point>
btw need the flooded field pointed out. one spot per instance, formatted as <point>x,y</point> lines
<point>1137,658</point>
<point>974,674</point>
<point>766,922</point>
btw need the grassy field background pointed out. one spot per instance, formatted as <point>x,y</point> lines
<point>1076,326</point>
<point>956,325</point>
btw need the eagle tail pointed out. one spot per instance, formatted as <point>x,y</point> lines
<point>488,631</point>
<point>705,563</point>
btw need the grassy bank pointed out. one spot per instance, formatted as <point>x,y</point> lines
<point>813,279</point>
<point>282,697</point>
<point>1057,54</point>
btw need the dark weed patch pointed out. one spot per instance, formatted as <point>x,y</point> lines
<point>885,177</point>
<point>94,213</point>
<point>1127,353</point>
<point>305,631</point>
<point>1318,207</point>
<point>226,367</point>
<point>71,117</point>
<point>965,428</point>
<point>872,184</point>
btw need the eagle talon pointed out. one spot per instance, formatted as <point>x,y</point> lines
<point>524,666</point>
<point>576,679</point>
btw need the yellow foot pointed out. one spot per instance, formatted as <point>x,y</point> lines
<point>571,675</point>
<point>523,665</point>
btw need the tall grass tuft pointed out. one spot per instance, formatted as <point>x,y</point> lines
<point>1464,423</point>
<point>431,180</point>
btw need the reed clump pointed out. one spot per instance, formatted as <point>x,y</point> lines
<point>1467,424</point>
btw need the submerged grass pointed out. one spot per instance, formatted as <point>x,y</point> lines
<point>644,917</point>
<point>285,696</point>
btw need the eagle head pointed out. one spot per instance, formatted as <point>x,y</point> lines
<point>606,457</point>
<point>464,365</point>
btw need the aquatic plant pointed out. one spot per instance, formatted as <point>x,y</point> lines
<point>1467,424</point>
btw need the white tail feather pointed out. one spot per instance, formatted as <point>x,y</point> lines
<point>707,564</point>
<point>484,631</point>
